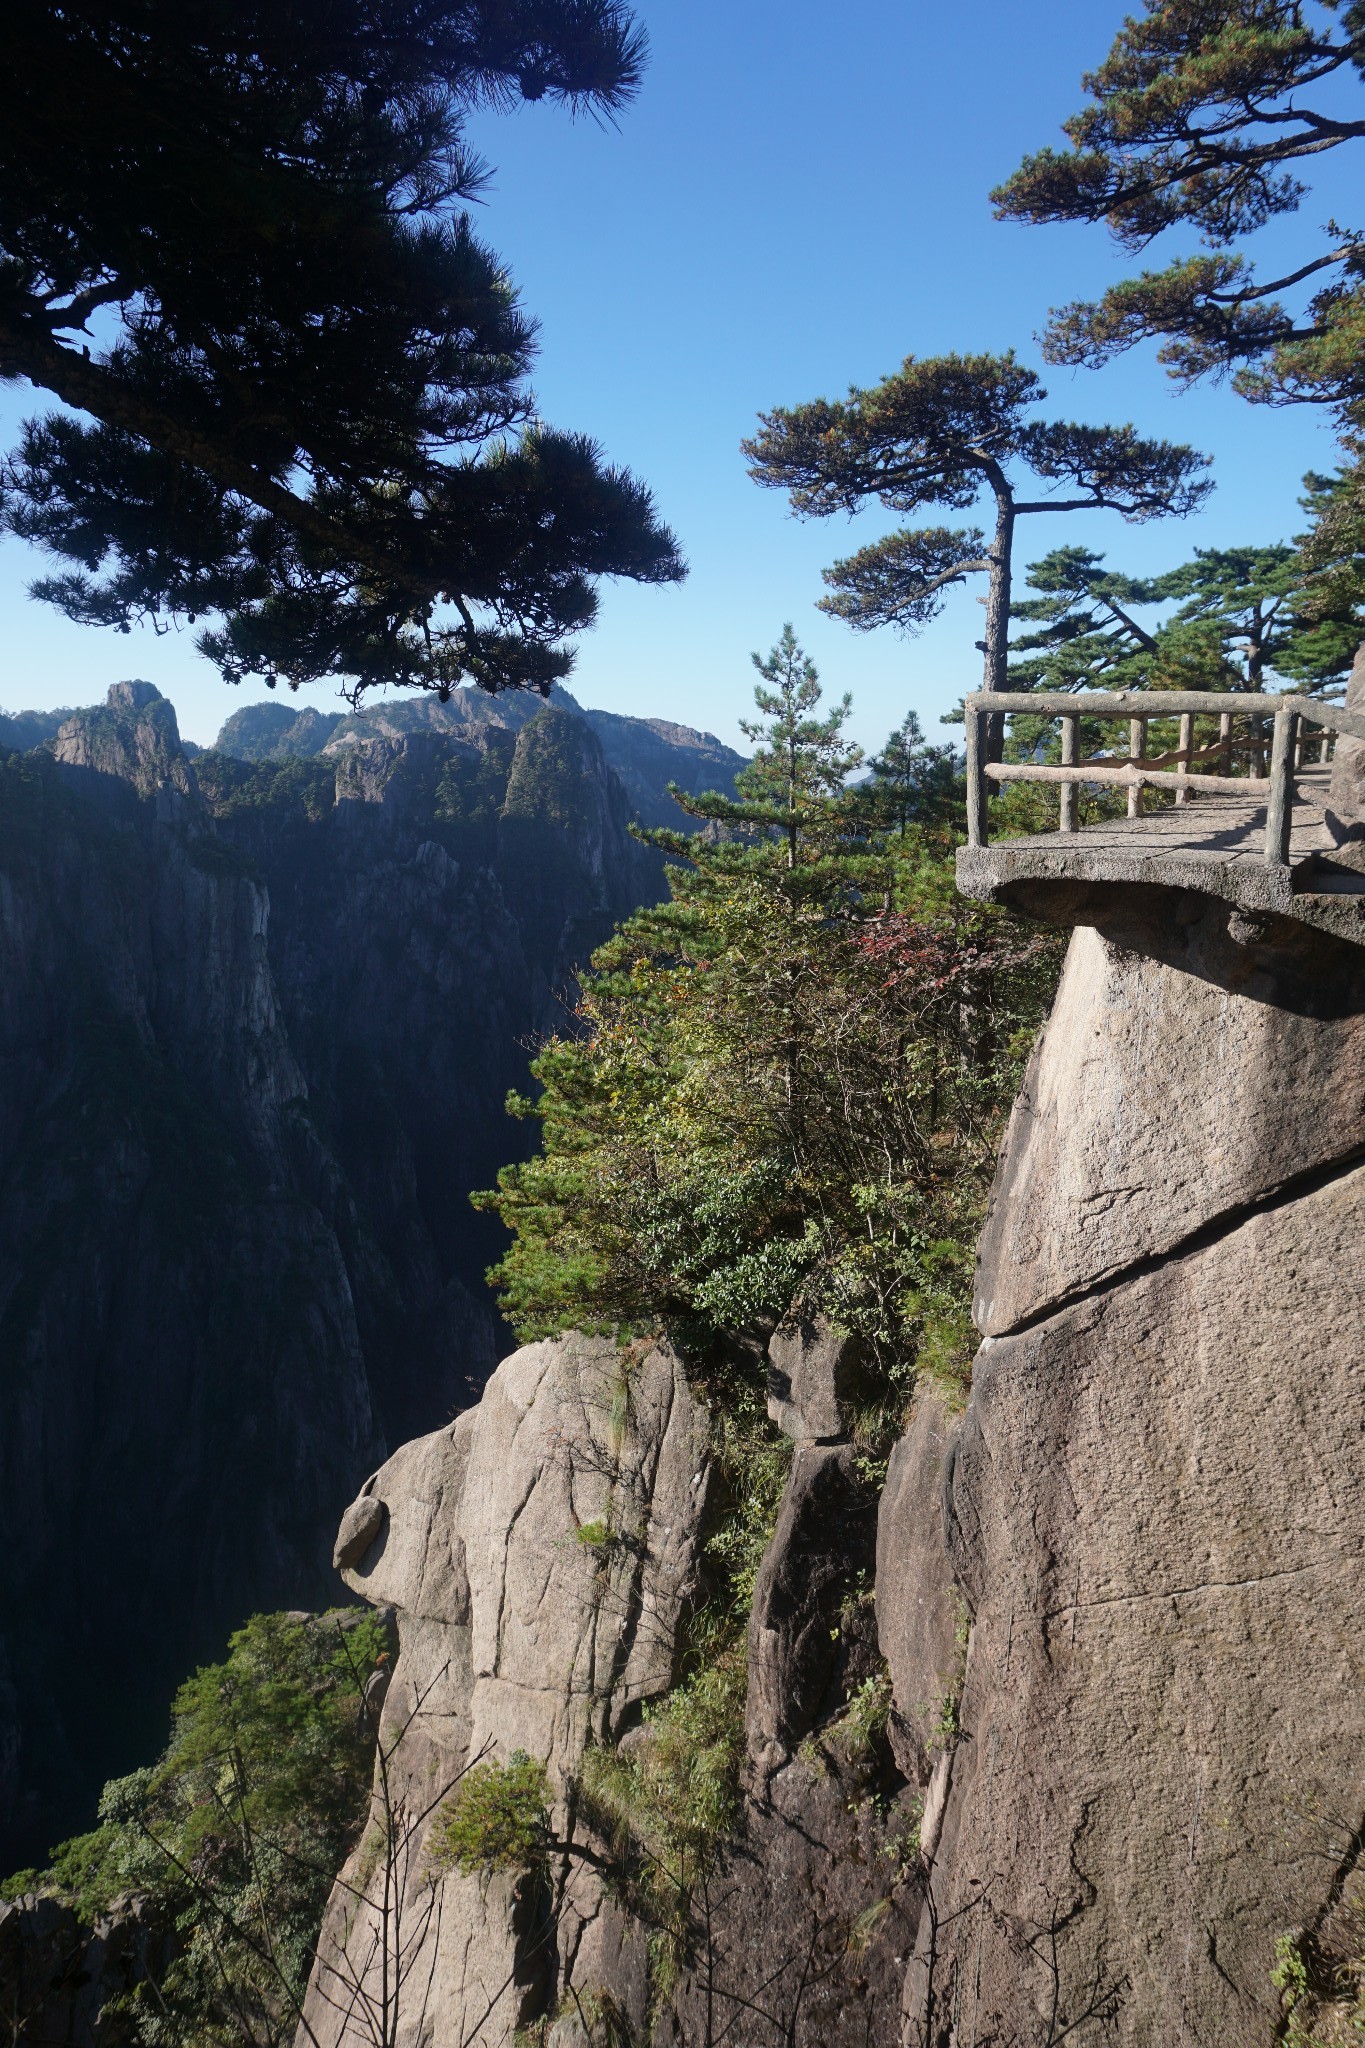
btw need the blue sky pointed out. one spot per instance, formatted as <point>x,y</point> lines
<point>797,200</point>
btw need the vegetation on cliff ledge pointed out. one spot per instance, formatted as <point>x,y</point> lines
<point>785,1085</point>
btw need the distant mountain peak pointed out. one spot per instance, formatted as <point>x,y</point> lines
<point>646,753</point>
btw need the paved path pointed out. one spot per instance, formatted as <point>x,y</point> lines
<point>1214,844</point>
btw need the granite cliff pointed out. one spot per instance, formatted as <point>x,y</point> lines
<point>1118,1594</point>
<point>543,1555</point>
<point>257,1021</point>
<point>1153,1506</point>
<point>1053,1736</point>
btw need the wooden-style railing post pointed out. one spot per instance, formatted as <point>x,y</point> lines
<point>1182,796</point>
<point>1281,719</point>
<point>1279,809</point>
<point>1071,754</point>
<point>978,822</point>
<point>1137,736</point>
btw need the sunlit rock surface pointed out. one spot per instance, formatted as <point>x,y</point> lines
<point>1153,1511</point>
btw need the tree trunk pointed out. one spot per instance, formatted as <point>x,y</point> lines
<point>1256,651</point>
<point>996,644</point>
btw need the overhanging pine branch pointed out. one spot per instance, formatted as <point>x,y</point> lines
<point>78,381</point>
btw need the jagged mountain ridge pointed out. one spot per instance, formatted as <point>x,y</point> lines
<point>646,753</point>
<point>257,1022</point>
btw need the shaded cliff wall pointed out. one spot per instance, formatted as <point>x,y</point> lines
<point>1153,1507</point>
<point>430,902</point>
<point>184,1386</point>
<point>257,1024</point>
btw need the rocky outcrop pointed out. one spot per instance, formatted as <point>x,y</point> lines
<point>540,1553</point>
<point>646,754</point>
<point>814,1376</point>
<point>1152,1509</point>
<point>132,741</point>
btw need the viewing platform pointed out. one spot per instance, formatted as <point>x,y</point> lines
<point>1267,843</point>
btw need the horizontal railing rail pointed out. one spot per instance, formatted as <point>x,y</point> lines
<point>1173,770</point>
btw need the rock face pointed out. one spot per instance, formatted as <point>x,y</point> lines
<point>812,1920</point>
<point>257,1024</point>
<point>823,1539</point>
<point>542,1553</point>
<point>183,1380</point>
<point>1182,1076</point>
<point>647,754</point>
<point>59,1975</point>
<point>921,1616</point>
<point>539,1553</point>
<point>1153,1510</point>
<point>813,1376</point>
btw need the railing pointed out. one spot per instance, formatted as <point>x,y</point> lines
<point>1174,770</point>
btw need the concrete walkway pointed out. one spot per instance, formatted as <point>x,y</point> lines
<point>1214,845</point>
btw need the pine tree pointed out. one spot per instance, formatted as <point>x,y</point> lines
<point>1232,619</point>
<point>234,238</point>
<point>800,760</point>
<point>1331,606</point>
<point>1088,635</point>
<point>943,431</point>
<point>912,785</point>
<point>1194,117</point>
<point>785,1083</point>
<point>1236,621</point>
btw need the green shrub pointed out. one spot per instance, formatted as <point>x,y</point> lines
<point>669,1800</point>
<point>497,1818</point>
<point>234,1836</point>
<point>863,1723</point>
<point>786,1085</point>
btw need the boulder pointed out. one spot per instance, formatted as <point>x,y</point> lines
<point>540,1553</point>
<point>812,1379</point>
<point>360,1525</point>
